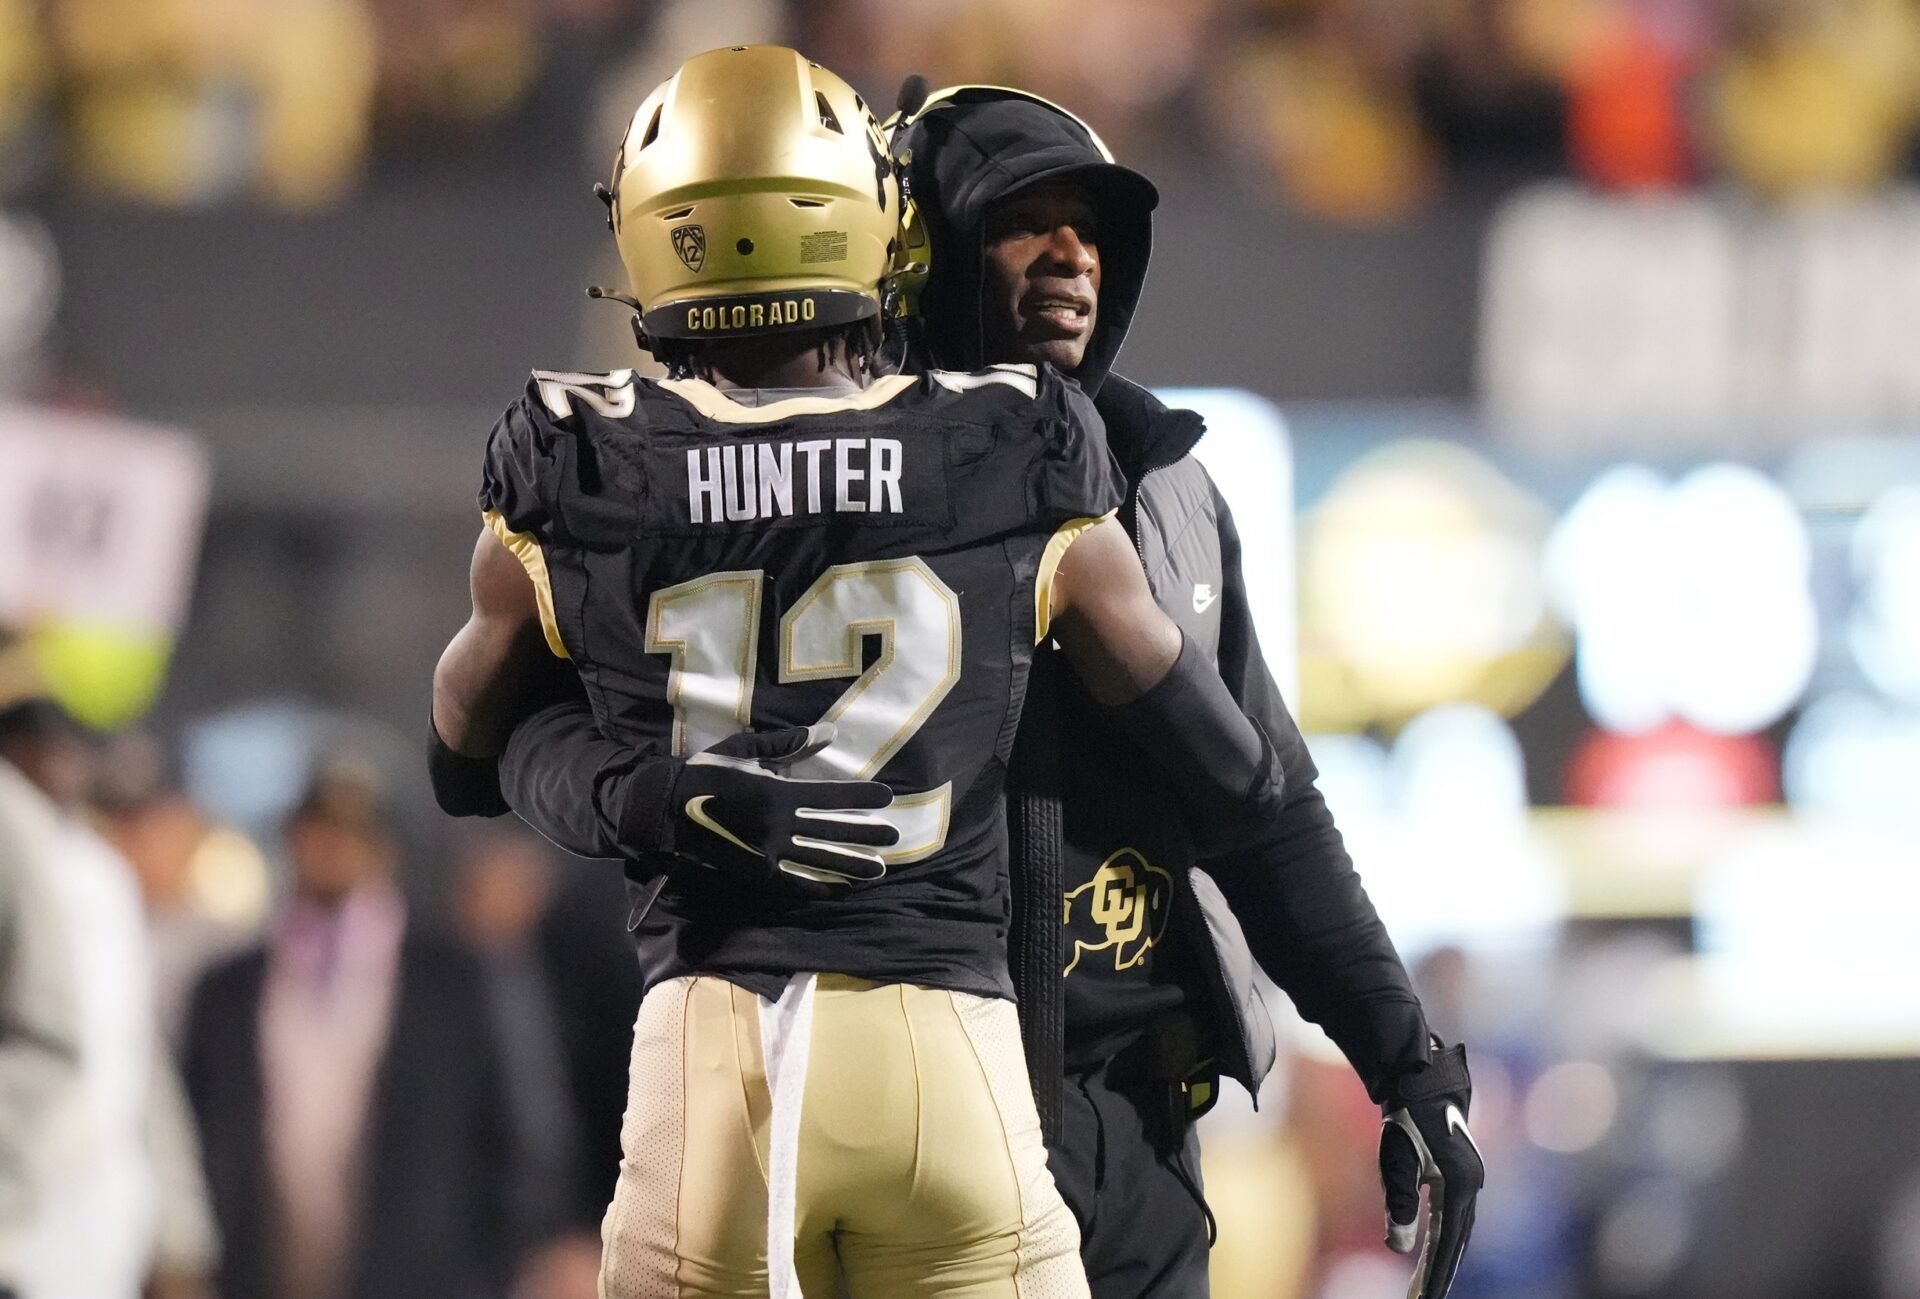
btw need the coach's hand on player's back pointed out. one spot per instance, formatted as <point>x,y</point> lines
<point>1424,1142</point>
<point>734,809</point>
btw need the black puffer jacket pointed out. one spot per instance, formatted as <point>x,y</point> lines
<point>1296,905</point>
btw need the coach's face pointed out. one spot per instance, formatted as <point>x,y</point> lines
<point>1042,290</point>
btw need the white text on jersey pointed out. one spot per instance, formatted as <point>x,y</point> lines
<point>737,482</point>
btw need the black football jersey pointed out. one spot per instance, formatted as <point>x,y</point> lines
<point>879,560</point>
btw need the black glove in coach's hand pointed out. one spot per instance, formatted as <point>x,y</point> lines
<point>733,810</point>
<point>1424,1142</point>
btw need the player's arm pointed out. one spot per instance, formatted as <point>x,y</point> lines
<point>1162,691</point>
<point>1118,640</point>
<point>731,807</point>
<point>569,781</point>
<point>493,662</point>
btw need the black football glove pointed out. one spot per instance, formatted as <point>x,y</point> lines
<point>731,809</point>
<point>1424,1142</point>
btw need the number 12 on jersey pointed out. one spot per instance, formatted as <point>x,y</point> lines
<point>710,627</point>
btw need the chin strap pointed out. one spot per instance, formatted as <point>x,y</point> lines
<point>601,294</point>
<point>596,292</point>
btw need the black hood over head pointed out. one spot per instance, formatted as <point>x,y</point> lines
<point>980,145</point>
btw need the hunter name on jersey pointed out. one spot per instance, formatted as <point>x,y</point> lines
<point>744,482</point>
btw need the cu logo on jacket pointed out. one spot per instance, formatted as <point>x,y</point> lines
<point>1122,909</point>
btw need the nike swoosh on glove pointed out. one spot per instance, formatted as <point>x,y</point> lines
<point>1424,1142</point>
<point>733,809</point>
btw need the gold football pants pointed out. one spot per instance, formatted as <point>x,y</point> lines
<point>920,1169</point>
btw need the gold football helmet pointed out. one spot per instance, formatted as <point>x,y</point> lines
<point>754,192</point>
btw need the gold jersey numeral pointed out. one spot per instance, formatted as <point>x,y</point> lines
<point>710,627</point>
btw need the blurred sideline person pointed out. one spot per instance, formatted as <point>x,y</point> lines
<point>503,891</point>
<point>1039,245</point>
<point>101,1194</point>
<point>148,817</point>
<point>347,1075</point>
<point>919,536</point>
<point>588,962</point>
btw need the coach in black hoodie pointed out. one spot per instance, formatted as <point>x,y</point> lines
<point>1040,245</point>
<point>1039,252</point>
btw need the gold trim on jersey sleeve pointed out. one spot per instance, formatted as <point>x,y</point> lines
<point>527,550</point>
<point>716,405</point>
<point>1050,558</point>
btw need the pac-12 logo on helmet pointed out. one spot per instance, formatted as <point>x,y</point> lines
<point>690,241</point>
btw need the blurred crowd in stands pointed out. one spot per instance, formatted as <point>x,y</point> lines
<point>1356,110</point>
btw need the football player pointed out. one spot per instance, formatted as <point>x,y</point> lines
<point>1039,250</point>
<point>826,1070</point>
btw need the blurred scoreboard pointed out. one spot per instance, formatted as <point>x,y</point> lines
<point>1700,318</point>
<point>1552,685</point>
<point>1654,631</point>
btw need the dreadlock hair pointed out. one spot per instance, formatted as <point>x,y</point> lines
<point>857,341</point>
